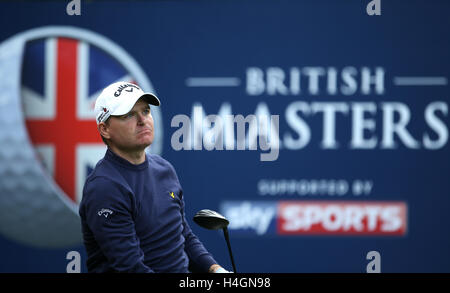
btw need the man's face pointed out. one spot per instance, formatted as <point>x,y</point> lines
<point>134,130</point>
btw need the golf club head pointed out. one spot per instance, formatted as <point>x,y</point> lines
<point>210,220</point>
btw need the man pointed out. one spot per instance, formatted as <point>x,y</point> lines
<point>132,210</point>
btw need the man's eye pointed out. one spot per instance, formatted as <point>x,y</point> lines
<point>146,112</point>
<point>129,115</point>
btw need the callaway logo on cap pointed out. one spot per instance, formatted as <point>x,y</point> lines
<point>119,98</point>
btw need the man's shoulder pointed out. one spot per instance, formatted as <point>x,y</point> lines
<point>103,184</point>
<point>160,164</point>
<point>157,159</point>
<point>104,173</point>
<point>99,170</point>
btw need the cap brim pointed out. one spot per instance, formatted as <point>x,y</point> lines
<point>151,99</point>
<point>126,107</point>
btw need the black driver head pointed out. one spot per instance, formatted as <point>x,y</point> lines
<point>210,220</point>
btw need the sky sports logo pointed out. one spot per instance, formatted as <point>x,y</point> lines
<point>352,218</point>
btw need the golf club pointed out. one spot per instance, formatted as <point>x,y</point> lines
<point>212,220</point>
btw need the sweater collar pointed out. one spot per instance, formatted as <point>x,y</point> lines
<point>111,156</point>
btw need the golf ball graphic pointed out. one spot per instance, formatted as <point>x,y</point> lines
<point>42,174</point>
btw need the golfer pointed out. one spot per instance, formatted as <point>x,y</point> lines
<point>132,210</point>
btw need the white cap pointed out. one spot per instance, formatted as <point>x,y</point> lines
<point>119,98</point>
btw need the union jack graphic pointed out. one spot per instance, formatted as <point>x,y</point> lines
<point>61,78</point>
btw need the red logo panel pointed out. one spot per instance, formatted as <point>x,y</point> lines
<point>339,217</point>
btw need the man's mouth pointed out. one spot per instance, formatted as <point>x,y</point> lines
<point>144,131</point>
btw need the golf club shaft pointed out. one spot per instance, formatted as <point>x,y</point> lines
<point>225,233</point>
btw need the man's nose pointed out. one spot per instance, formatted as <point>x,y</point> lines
<point>140,118</point>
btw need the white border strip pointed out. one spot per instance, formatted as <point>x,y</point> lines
<point>420,81</point>
<point>212,81</point>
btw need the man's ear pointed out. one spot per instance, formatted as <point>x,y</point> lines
<point>104,130</point>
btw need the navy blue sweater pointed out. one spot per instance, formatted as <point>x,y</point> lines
<point>133,219</point>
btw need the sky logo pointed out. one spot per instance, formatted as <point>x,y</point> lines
<point>351,218</point>
<point>250,217</point>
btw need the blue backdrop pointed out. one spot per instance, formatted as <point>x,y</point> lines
<point>362,103</point>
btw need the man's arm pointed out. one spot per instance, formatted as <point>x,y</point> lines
<point>214,268</point>
<point>195,250</point>
<point>198,255</point>
<point>108,212</point>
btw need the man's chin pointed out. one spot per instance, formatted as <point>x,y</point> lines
<point>145,143</point>
<point>145,139</point>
